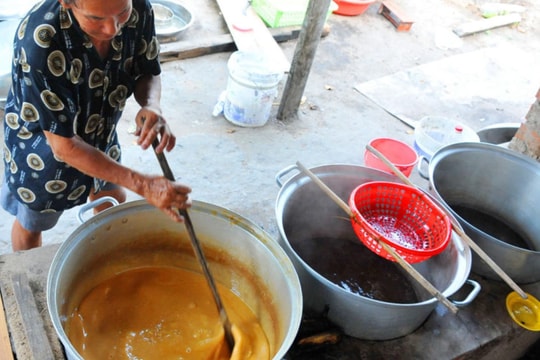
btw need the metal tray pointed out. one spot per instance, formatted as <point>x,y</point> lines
<point>171,29</point>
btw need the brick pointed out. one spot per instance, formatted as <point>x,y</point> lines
<point>395,15</point>
<point>527,138</point>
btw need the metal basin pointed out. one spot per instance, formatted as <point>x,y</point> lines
<point>240,256</point>
<point>172,20</point>
<point>495,194</point>
<point>498,134</point>
<point>303,212</point>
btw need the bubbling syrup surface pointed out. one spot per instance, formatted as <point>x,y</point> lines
<point>162,313</point>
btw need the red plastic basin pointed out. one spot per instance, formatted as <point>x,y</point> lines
<point>352,7</point>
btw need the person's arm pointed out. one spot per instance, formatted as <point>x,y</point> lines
<point>157,190</point>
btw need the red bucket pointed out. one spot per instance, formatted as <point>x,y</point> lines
<point>397,152</point>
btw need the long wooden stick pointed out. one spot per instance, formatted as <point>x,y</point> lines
<point>492,264</point>
<point>399,259</point>
<point>199,254</point>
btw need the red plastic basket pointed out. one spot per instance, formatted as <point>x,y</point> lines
<point>401,216</point>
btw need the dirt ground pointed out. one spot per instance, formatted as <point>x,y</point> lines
<point>334,122</point>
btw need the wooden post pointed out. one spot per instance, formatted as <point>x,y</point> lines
<point>304,54</point>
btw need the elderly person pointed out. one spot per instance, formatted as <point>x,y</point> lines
<point>75,64</point>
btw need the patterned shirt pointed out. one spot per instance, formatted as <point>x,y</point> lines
<point>60,84</point>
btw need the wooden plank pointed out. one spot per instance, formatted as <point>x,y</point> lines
<point>237,14</point>
<point>486,24</point>
<point>31,318</point>
<point>186,49</point>
<point>6,352</point>
<point>197,47</point>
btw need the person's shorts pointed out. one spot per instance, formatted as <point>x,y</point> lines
<point>32,220</point>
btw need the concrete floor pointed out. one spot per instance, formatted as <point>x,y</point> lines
<point>234,167</point>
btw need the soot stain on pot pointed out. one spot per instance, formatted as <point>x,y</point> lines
<point>355,268</point>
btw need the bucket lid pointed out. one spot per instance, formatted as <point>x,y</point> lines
<point>255,67</point>
<point>435,132</point>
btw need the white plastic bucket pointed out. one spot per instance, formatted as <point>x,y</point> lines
<point>251,89</point>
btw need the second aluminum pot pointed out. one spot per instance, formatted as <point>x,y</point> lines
<point>303,211</point>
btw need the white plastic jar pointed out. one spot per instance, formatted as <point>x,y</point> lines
<point>435,132</point>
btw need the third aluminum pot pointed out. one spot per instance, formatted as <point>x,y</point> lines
<point>494,193</point>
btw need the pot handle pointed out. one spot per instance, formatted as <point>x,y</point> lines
<point>284,172</point>
<point>421,170</point>
<point>472,295</point>
<point>92,204</point>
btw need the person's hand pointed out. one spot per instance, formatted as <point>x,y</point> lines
<point>168,196</point>
<point>150,124</point>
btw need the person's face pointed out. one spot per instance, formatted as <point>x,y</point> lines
<point>101,20</point>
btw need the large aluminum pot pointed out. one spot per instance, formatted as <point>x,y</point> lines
<point>240,255</point>
<point>503,184</point>
<point>303,211</point>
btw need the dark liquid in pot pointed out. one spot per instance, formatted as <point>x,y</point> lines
<point>356,269</point>
<point>491,225</point>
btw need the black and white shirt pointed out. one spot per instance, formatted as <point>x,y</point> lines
<point>60,84</point>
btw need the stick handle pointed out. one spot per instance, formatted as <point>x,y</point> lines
<point>418,277</point>
<point>342,204</point>
<point>404,264</point>
<point>387,162</point>
<point>492,264</point>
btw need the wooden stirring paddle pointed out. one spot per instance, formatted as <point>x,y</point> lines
<point>227,327</point>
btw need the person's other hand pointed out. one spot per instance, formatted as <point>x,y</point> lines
<point>150,124</point>
<point>167,196</point>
